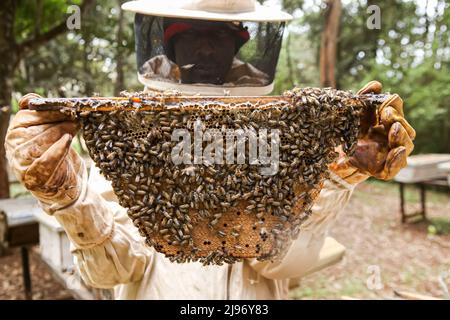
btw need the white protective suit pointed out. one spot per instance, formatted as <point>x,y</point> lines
<point>110,253</point>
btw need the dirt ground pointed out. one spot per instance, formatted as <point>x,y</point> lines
<point>403,257</point>
<point>44,286</point>
<point>379,247</point>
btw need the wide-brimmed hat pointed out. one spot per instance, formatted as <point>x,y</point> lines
<point>217,10</point>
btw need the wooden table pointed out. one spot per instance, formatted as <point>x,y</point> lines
<point>422,214</point>
<point>422,170</point>
<point>19,228</point>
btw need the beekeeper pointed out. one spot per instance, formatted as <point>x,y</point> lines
<point>211,47</point>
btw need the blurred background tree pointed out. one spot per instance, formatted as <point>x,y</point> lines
<point>25,26</point>
<point>409,54</point>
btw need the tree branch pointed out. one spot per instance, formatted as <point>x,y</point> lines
<point>41,39</point>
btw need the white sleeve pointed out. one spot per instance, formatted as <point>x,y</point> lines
<point>107,246</point>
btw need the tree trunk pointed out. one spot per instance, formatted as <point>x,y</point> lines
<point>120,81</point>
<point>5,111</point>
<point>329,43</point>
<point>8,58</point>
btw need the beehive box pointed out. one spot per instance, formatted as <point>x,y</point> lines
<point>54,243</point>
<point>18,225</point>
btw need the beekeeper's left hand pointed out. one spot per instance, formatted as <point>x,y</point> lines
<point>385,145</point>
<point>38,149</point>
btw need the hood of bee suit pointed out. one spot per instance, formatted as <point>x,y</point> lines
<point>259,37</point>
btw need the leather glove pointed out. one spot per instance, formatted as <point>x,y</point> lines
<point>39,152</point>
<point>385,144</point>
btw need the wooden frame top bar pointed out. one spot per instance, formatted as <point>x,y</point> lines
<point>181,102</point>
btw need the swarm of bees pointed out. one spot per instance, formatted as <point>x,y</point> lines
<point>222,212</point>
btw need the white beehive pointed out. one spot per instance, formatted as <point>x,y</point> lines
<point>422,167</point>
<point>54,243</point>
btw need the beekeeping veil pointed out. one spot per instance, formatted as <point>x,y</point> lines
<point>257,30</point>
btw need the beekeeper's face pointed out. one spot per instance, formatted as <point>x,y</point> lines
<point>204,50</point>
<point>204,55</point>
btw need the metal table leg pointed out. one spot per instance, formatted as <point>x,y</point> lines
<point>26,273</point>
<point>402,201</point>
<point>423,200</point>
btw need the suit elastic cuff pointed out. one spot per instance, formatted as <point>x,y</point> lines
<point>344,183</point>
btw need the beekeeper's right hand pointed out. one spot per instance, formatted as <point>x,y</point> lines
<point>39,153</point>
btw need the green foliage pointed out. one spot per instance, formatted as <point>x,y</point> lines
<point>80,62</point>
<point>440,226</point>
<point>38,16</point>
